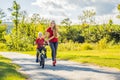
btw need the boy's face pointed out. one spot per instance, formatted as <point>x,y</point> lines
<point>40,35</point>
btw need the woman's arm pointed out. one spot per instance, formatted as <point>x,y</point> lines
<point>34,43</point>
<point>50,38</point>
<point>46,34</point>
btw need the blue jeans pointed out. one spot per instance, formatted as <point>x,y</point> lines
<point>53,46</point>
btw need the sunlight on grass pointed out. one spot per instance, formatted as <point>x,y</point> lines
<point>8,71</point>
<point>104,57</point>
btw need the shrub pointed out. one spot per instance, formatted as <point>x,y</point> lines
<point>102,44</point>
<point>86,46</point>
<point>75,46</point>
<point>69,46</point>
<point>2,46</point>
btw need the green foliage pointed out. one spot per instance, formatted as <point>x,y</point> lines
<point>87,16</point>
<point>26,29</point>
<point>15,15</point>
<point>2,15</point>
<point>98,32</point>
<point>102,44</point>
<point>26,34</point>
<point>2,46</point>
<point>118,7</point>
<point>86,46</point>
<point>67,23</point>
<point>3,29</point>
<point>0,21</point>
<point>22,43</point>
<point>73,33</point>
<point>68,46</point>
<point>110,22</point>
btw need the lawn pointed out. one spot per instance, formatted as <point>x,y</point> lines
<point>104,57</point>
<point>8,70</point>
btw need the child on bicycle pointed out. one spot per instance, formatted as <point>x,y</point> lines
<point>40,45</point>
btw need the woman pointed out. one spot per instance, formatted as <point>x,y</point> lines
<point>52,34</point>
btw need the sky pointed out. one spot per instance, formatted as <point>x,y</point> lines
<point>60,9</point>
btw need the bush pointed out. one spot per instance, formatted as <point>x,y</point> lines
<point>69,46</point>
<point>20,44</point>
<point>86,46</point>
<point>72,34</point>
<point>3,29</point>
<point>75,46</point>
<point>2,46</point>
<point>102,44</point>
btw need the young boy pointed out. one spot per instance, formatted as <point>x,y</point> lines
<point>40,45</point>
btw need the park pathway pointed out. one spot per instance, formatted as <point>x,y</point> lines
<point>65,70</point>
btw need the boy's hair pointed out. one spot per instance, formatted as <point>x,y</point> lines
<point>40,34</point>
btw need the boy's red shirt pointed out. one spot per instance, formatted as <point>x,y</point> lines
<point>40,42</point>
<point>50,31</point>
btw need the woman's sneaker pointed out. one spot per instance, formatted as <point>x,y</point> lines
<point>54,63</point>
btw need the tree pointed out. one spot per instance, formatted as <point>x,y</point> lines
<point>23,15</point>
<point>2,15</point>
<point>87,16</point>
<point>118,7</point>
<point>34,20</point>
<point>110,22</point>
<point>67,23</point>
<point>15,14</point>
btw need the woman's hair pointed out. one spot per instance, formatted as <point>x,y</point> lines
<point>55,30</point>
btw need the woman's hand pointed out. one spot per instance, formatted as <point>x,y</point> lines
<point>47,42</point>
<point>34,43</point>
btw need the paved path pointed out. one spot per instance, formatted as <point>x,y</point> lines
<point>65,70</point>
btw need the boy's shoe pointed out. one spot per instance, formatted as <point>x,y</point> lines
<point>37,60</point>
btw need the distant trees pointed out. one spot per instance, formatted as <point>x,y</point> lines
<point>2,15</point>
<point>87,17</point>
<point>110,22</point>
<point>3,29</point>
<point>26,29</point>
<point>118,8</point>
<point>70,32</point>
<point>67,23</point>
<point>23,15</point>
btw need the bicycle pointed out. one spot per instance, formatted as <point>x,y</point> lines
<point>41,57</point>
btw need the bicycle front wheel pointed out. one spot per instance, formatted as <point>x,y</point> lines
<point>42,61</point>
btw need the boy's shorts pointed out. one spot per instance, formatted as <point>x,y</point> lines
<point>40,49</point>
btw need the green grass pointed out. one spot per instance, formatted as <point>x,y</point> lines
<point>8,70</point>
<point>104,57</point>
